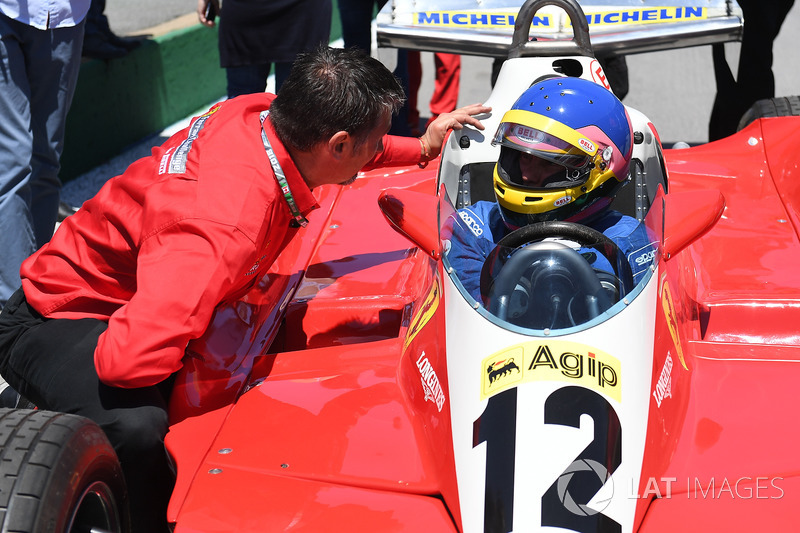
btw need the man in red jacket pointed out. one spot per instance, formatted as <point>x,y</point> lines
<point>107,308</point>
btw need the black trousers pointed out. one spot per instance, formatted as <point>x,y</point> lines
<point>51,362</point>
<point>754,79</point>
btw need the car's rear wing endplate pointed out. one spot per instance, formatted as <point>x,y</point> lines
<point>485,27</point>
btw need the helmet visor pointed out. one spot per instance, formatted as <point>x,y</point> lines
<point>541,144</point>
<point>532,172</point>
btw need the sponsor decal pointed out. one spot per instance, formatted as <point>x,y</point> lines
<point>664,384</point>
<point>564,361</point>
<point>598,75</point>
<point>611,17</point>
<point>562,201</point>
<point>471,223</point>
<point>476,19</point>
<point>642,258</point>
<point>672,321</point>
<point>213,110</point>
<point>587,146</point>
<point>529,134</point>
<point>501,368</point>
<point>177,163</point>
<point>647,15</point>
<point>254,268</point>
<point>645,258</point>
<point>430,382</point>
<point>164,164</point>
<point>426,311</point>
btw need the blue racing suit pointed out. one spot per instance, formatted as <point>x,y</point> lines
<point>481,225</point>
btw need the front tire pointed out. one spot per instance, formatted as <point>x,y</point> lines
<point>58,474</point>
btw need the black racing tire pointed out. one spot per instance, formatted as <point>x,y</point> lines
<point>785,106</point>
<point>58,474</point>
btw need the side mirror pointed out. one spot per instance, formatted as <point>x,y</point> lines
<point>414,215</point>
<point>688,216</point>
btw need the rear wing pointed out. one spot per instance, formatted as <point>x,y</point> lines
<point>487,27</point>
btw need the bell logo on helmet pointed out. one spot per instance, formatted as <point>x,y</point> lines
<point>562,201</point>
<point>529,134</point>
<point>587,145</point>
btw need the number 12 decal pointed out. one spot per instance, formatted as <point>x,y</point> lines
<point>564,504</point>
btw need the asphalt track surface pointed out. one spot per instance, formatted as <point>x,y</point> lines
<point>675,88</point>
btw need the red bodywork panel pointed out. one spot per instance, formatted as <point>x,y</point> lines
<point>336,439</point>
<point>744,282</point>
<point>721,453</point>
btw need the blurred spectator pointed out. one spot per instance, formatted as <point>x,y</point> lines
<point>754,78</point>
<point>356,17</point>
<point>99,42</point>
<point>254,35</point>
<point>40,56</point>
<point>445,89</point>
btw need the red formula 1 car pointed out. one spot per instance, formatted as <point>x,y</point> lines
<point>359,387</point>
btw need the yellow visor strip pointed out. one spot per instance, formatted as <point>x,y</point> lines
<point>552,127</point>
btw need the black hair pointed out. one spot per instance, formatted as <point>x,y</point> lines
<point>330,90</point>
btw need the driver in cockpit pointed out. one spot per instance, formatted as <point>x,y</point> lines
<point>565,152</point>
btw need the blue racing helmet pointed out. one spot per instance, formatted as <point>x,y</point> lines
<point>565,151</point>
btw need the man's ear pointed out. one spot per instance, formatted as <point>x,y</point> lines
<point>339,144</point>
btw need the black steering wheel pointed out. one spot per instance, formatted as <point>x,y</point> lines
<point>548,284</point>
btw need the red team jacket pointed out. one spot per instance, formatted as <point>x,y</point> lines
<point>160,246</point>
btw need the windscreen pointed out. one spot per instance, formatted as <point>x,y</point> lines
<point>550,275</point>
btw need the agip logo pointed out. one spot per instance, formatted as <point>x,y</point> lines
<point>504,369</point>
<point>563,361</point>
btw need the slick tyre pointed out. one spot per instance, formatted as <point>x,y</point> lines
<point>58,474</point>
<point>786,106</point>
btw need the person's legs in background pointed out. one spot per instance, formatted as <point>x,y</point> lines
<point>17,240</point>
<point>754,78</point>
<point>281,73</point>
<point>96,44</point>
<point>414,65</point>
<point>400,124</point>
<point>445,88</point>
<point>247,79</point>
<point>52,90</point>
<point>762,23</point>
<point>356,17</point>
<point>446,85</point>
<point>99,41</point>
<point>616,71</point>
<point>33,103</point>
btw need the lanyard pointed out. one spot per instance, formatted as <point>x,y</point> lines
<point>280,176</point>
